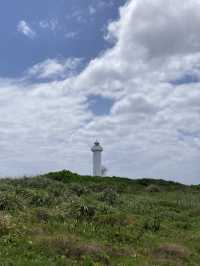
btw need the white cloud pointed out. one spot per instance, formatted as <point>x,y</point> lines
<point>152,110</point>
<point>54,68</point>
<point>51,24</point>
<point>158,23</point>
<point>24,28</point>
<point>71,35</point>
<point>92,10</point>
<point>77,15</point>
<point>153,129</point>
<point>105,4</point>
<point>100,5</point>
<point>135,104</point>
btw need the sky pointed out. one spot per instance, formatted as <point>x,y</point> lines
<point>124,72</point>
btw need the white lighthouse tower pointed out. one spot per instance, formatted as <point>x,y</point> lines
<point>97,150</point>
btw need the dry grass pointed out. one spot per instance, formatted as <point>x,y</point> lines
<point>115,219</point>
<point>71,247</point>
<point>171,251</point>
<point>153,188</point>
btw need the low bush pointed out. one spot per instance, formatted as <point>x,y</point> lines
<point>42,215</point>
<point>168,204</point>
<point>9,201</point>
<point>171,215</point>
<point>195,212</point>
<point>99,187</point>
<point>63,176</point>
<point>40,199</point>
<point>36,182</point>
<point>79,189</point>
<point>153,224</point>
<point>110,196</point>
<point>5,225</point>
<point>184,225</point>
<point>86,212</point>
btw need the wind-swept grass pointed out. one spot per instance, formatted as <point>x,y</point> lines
<point>66,219</point>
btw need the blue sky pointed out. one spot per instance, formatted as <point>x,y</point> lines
<point>124,72</point>
<point>100,105</point>
<point>72,28</point>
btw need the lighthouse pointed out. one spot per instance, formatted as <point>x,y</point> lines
<point>97,150</point>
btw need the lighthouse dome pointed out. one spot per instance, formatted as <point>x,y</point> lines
<point>97,147</point>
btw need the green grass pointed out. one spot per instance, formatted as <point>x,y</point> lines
<point>66,219</point>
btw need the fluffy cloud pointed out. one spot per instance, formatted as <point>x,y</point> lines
<point>54,68</point>
<point>153,128</point>
<point>37,125</point>
<point>25,29</point>
<point>162,28</point>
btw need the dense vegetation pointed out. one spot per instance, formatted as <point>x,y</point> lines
<point>66,219</point>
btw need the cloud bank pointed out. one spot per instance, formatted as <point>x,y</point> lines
<point>153,128</point>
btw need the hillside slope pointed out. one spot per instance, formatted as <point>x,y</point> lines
<point>66,219</point>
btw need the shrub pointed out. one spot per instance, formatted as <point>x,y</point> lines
<point>168,204</point>
<point>195,212</point>
<point>40,199</point>
<point>184,225</point>
<point>79,210</point>
<point>110,196</point>
<point>78,189</point>
<point>4,186</point>
<point>9,201</point>
<point>33,182</point>
<point>152,224</point>
<point>57,190</point>
<point>99,187</point>
<point>87,212</point>
<point>5,225</point>
<point>42,215</point>
<point>63,176</point>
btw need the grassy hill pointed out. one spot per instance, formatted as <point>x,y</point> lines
<point>66,219</point>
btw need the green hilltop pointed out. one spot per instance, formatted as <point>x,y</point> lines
<point>66,219</point>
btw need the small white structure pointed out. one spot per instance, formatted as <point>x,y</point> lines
<point>97,150</point>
